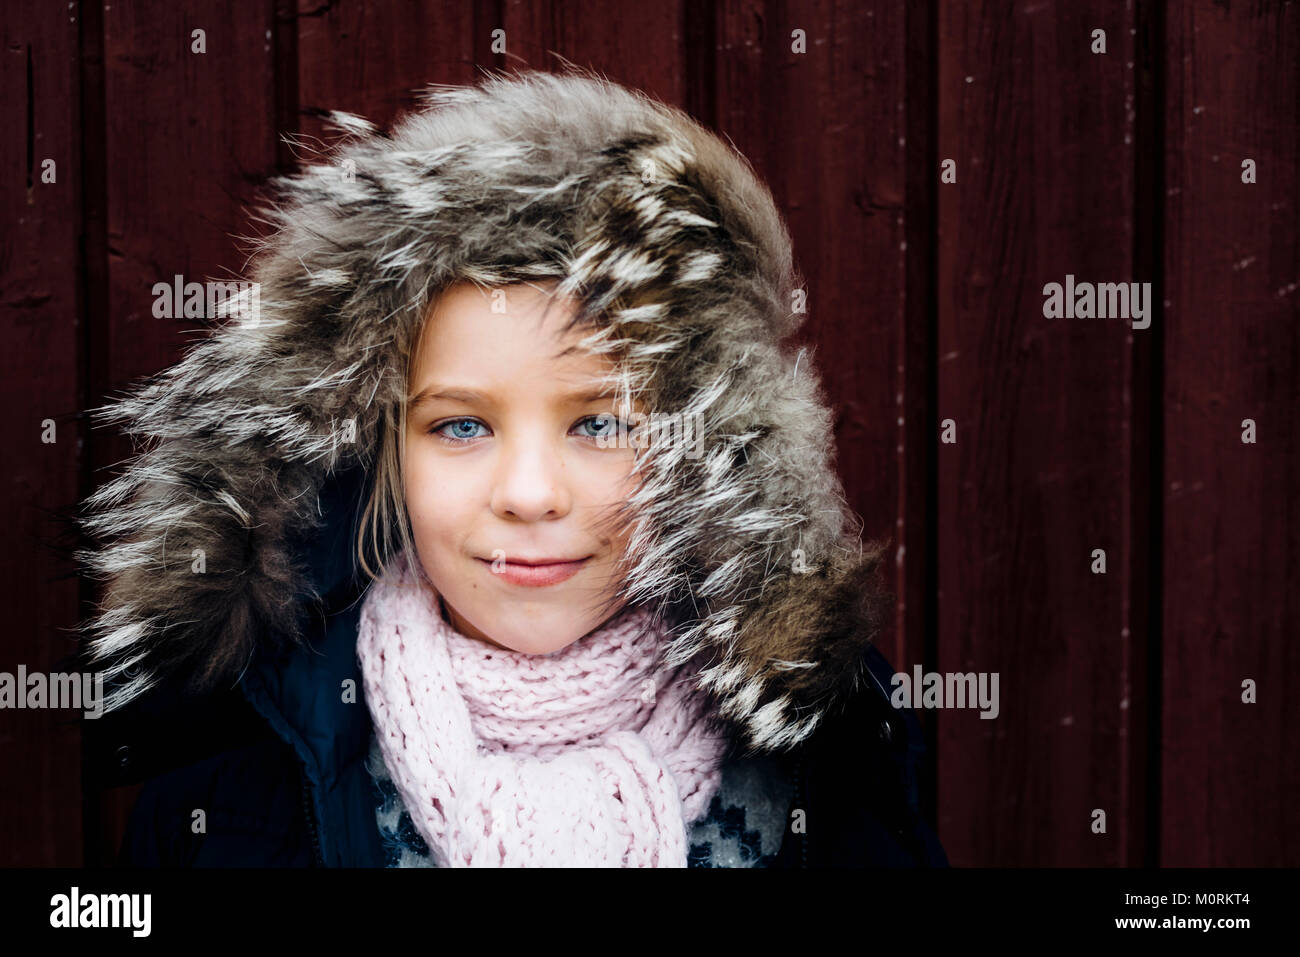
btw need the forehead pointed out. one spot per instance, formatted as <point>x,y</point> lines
<point>504,334</point>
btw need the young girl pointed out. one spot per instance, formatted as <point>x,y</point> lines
<point>554,734</point>
<point>514,517</point>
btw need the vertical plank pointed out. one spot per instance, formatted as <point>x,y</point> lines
<point>40,804</point>
<point>916,574</point>
<point>639,45</point>
<point>1231,585</point>
<point>188,137</point>
<point>1041,132</point>
<point>373,59</point>
<point>825,125</point>
<point>1140,669</point>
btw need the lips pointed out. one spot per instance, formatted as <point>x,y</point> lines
<point>534,573</point>
<point>541,561</point>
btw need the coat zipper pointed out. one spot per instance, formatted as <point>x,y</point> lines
<point>310,814</point>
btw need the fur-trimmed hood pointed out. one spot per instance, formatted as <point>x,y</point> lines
<point>664,234</point>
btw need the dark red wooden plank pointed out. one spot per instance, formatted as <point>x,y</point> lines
<point>816,99</point>
<point>189,136</point>
<point>374,59</point>
<point>641,45</point>
<point>1231,770</point>
<point>1041,131</point>
<point>40,804</point>
<point>916,576</point>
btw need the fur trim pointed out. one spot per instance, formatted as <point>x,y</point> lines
<point>663,232</point>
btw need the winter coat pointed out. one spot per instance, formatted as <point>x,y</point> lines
<point>226,546</point>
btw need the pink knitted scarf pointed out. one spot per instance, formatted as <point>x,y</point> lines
<point>595,755</point>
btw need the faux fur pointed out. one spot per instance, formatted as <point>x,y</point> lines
<point>677,252</point>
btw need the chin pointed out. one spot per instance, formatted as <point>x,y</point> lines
<point>549,650</point>
<point>533,645</point>
<point>529,637</point>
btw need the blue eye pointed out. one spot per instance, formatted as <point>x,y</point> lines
<point>608,426</point>
<point>456,438</point>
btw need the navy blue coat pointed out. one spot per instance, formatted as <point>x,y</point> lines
<point>277,764</point>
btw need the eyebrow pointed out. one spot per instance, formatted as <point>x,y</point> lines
<point>473,395</point>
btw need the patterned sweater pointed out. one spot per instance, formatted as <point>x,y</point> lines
<point>744,826</point>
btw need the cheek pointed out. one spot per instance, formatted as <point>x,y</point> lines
<point>441,495</point>
<point>609,477</point>
<point>425,490</point>
<point>605,485</point>
<point>419,486</point>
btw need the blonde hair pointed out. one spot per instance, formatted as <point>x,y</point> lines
<point>385,517</point>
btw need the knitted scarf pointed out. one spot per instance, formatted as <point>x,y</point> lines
<point>595,755</point>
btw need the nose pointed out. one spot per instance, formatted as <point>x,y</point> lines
<point>530,482</point>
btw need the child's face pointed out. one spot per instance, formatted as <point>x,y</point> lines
<point>515,472</point>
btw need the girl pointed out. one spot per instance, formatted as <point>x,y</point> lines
<point>512,515</point>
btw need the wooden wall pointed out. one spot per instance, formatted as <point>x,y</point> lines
<point>1119,692</point>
